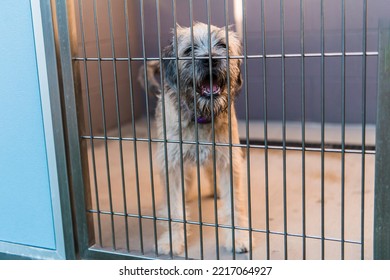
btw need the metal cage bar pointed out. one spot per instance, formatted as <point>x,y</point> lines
<point>265,108</point>
<point>131,90</point>
<point>182,181</point>
<point>76,150</point>
<point>213,225</point>
<point>164,129</point>
<point>248,56</point>
<point>200,212</point>
<point>343,108</point>
<point>232,204</point>
<point>90,125</point>
<point>284,119</point>
<point>382,164</point>
<point>364,112</point>
<point>247,150</point>
<point>148,121</point>
<point>119,125</point>
<point>303,122</point>
<point>322,130</point>
<point>95,16</point>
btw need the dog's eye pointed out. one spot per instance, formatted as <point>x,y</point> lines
<point>187,51</point>
<point>221,45</point>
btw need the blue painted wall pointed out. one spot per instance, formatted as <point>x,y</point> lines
<point>26,215</point>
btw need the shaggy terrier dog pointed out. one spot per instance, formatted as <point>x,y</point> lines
<point>194,113</point>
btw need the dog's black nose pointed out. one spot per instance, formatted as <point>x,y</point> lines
<point>206,62</point>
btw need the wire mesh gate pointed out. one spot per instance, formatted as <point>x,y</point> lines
<point>309,183</point>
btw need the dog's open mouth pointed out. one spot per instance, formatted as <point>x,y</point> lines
<point>207,91</point>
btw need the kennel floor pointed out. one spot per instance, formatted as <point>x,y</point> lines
<point>122,224</point>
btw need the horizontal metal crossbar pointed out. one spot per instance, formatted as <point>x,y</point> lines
<point>292,55</point>
<point>292,146</point>
<point>213,225</point>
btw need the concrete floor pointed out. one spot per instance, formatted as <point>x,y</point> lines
<point>294,221</point>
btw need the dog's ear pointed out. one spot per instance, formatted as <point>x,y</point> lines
<point>169,65</point>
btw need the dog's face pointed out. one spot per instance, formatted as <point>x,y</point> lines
<point>207,78</point>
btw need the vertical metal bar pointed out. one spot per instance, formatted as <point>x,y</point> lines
<point>164,127</point>
<point>196,133</point>
<point>226,6</point>
<point>176,51</point>
<point>364,110</point>
<point>343,93</point>
<point>104,123</point>
<point>303,126</point>
<point>284,130</point>
<point>322,131</point>
<point>118,117</point>
<point>213,131</point>
<point>81,21</point>
<point>54,18</point>
<point>148,127</point>
<point>265,101</point>
<point>69,85</point>
<point>245,48</point>
<point>382,159</point>
<point>126,12</point>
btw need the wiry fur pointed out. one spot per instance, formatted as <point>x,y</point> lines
<point>179,83</point>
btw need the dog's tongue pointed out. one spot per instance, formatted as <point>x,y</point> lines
<point>206,90</point>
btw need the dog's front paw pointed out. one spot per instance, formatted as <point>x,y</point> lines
<point>241,243</point>
<point>164,244</point>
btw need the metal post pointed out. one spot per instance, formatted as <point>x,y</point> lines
<point>57,125</point>
<point>382,161</point>
<point>64,30</point>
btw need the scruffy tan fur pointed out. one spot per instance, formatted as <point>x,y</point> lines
<point>192,78</point>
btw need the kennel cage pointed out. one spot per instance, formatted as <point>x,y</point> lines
<point>307,109</point>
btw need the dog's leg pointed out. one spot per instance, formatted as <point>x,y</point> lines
<point>240,218</point>
<point>176,232</point>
